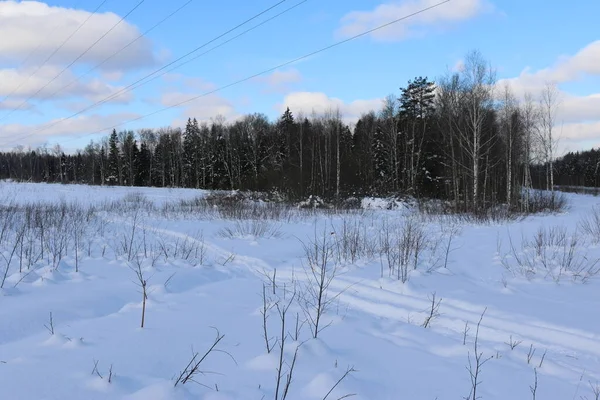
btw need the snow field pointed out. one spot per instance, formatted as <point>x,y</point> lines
<point>386,330</point>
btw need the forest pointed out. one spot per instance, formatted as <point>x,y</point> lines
<point>460,138</point>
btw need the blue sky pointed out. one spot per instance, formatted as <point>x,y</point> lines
<point>549,40</point>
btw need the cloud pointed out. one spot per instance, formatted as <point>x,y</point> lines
<point>21,84</point>
<point>455,11</point>
<point>185,82</point>
<point>203,109</point>
<point>280,80</point>
<point>12,135</point>
<point>584,63</point>
<point>307,102</point>
<point>578,116</point>
<point>10,104</point>
<point>38,29</point>
<point>580,131</point>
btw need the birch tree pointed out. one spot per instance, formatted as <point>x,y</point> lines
<point>478,80</point>
<point>549,101</point>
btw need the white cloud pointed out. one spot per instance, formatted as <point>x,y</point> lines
<point>185,82</point>
<point>21,84</point>
<point>586,62</point>
<point>307,102</point>
<point>580,131</point>
<point>12,135</point>
<point>280,80</point>
<point>454,11</point>
<point>10,104</point>
<point>36,27</point>
<point>578,117</point>
<point>203,108</point>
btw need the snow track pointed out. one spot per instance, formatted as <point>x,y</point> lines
<point>375,322</point>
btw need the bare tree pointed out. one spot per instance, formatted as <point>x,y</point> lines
<point>389,126</point>
<point>549,101</point>
<point>529,113</point>
<point>477,85</point>
<point>509,130</point>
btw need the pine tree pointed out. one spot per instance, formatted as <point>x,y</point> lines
<point>113,160</point>
<point>143,165</point>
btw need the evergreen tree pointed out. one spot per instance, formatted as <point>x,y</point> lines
<point>143,166</point>
<point>113,177</point>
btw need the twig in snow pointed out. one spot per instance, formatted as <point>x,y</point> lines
<point>95,370</point>
<point>143,284</point>
<point>433,311</point>
<point>595,390</point>
<point>513,343</point>
<point>348,371</point>
<point>535,385</point>
<point>475,368</point>
<point>50,326</point>
<point>193,367</point>
<point>265,314</point>
<point>543,358</point>
<point>530,353</point>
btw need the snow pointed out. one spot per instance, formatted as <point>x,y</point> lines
<point>203,282</point>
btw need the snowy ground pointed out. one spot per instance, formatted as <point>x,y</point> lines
<point>205,274</point>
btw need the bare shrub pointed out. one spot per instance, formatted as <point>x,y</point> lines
<point>590,225</point>
<point>553,252</point>
<point>142,282</point>
<point>282,387</point>
<point>10,254</point>
<point>544,202</point>
<point>353,241</point>
<point>476,364</point>
<point>192,369</point>
<point>190,248</point>
<point>320,270</point>
<point>402,247</point>
<point>434,311</point>
<point>131,202</point>
<point>532,202</point>
<point>254,228</point>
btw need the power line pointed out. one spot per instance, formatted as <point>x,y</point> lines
<point>321,50</point>
<point>223,43</point>
<point>171,63</point>
<point>139,83</point>
<point>275,68</point>
<point>33,51</point>
<point>114,95</point>
<point>56,50</point>
<point>123,48</point>
<point>77,58</point>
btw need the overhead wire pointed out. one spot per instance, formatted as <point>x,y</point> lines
<point>108,98</point>
<point>77,58</point>
<point>146,32</point>
<point>336,44</point>
<point>140,82</point>
<point>119,92</point>
<point>266,71</point>
<point>56,50</point>
<point>33,51</point>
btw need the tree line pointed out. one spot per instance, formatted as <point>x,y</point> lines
<point>461,138</point>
